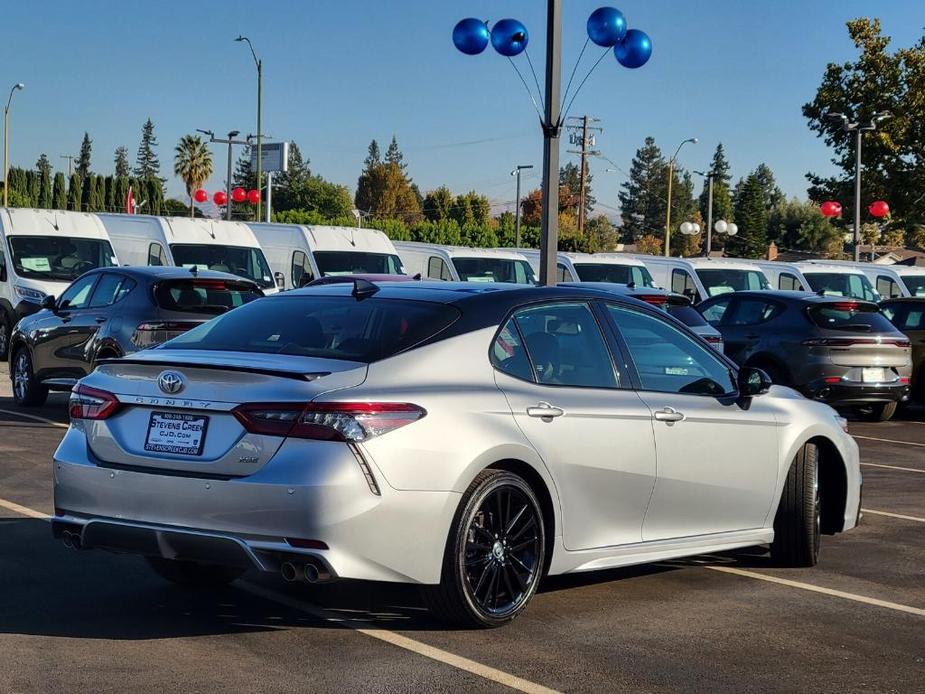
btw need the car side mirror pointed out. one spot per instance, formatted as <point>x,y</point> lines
<point>49,302</point>
<point>753,381</point>
<point>280,280</point>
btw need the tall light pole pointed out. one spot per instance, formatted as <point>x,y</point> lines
<point>6,136</point>
<point>692,140</point>
<point>516,172</point>
<point>552,126</point>
<point>857,128</point>
<point>259,63</point>
<point>709,175</point>
<point>229,141</point>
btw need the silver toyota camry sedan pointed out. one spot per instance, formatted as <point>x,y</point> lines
<point>465,438</point>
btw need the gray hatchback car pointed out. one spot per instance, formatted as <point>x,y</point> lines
<point>840,351</point>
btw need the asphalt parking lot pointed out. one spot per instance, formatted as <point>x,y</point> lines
<point>92,621</point>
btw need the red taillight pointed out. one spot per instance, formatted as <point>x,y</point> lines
<point>905,379</point>
<point>843,305</point>
<point>654,299</point>
<point>327,421</point>
<point>832,379</point>
<point>90,403</point>
<point>713,339</point>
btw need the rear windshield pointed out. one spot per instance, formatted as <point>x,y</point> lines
<point>489,269</point>
<point>842,284</point>
<point>58,257</point>
<point>688,315</point>
<point>330,327</point>
<point>848,316</point>
<point>242,261</point>
<point>357,263</point>
<point>204,295</point>
<point>722,281</point>
<point>615,274</point>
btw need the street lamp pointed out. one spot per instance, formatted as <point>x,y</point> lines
<point>229,141</point>
<point>858,128</point>
<point>516,172</point>
<point>692,140</point>
<point>259,63</point>
<point>6,128</point>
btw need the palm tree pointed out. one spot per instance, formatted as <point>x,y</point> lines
<point>193,164</point>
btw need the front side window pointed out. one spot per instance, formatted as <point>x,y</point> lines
<point>357,263</point>
<point>887,288</point>
<point>242,261</point>
<point>752,312</point>
<point>301,271</point>
<point>725,280</point>
<point>789,282</point>
<point>78,294</point>
<point>490,269</point>
<point>156,255</point>
<point>615,274</point>
<point>683,283</point>
<point>667,360</point>
<point>563,274</point>
<point>842,284</point>
<point>565,346</point>
<point>109,290</point>
<point>714,311</point>
<point>58,257</point>
<point>438,270</point>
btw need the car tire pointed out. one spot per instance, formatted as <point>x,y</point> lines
<point>879,412</point>
<point>494,554</point>
<point>193,575</point>
<point>5,331</point>
<point>27,391</point>
<point>798,523</point>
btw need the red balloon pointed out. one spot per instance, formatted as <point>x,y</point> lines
<point>830,208</point>
<point>200,195</point>
<point>879,208</point>
<point>239,195</point>
<point>253,196</point>
<point>220,198</point>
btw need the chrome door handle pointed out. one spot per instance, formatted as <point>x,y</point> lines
<point>544,410</point>
<point>668,414</point>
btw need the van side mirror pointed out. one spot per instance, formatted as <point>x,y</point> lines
<point>753,381</point>
<point>691,294</point>
<point>49,302</point>
<point>280,280</point>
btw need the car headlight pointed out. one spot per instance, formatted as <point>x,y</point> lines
<point>29,294</point>
<point>842,422</point>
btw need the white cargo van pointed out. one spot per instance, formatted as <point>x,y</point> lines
<point>838,279</point>
<point>301,253</point>
<point>613,268</point>
<point>461,264</point>
<point>786,276</point>
<point>888,282</point>
<point>41,252</point>
<point>701,278</point>
<point>185,242</point>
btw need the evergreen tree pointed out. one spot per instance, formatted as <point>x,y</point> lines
<point>393,155</point>
<point>146,161</point>
<point>297,169</point>
<point>109,190</point>
<point>570,189</point>
<point>74,193</point>
<point>44,195</point>
<point>59,192</point>
<point>642,200</point>
<point>83,159</point>
<point>722,198</point>
<point>773,196</point>
<point>154,193</point>
<point>43,165</point>
<point>461,211</point>
<point>437,204</point>
<point>121,161</point>
<point>751,216</point>
<point>372,158</point>
<point>88,194</point>
<point>120,194</point>
<point>31,187</point>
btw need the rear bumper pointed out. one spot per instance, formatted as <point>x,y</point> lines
<point>853,393</point>
<point>396,536</point>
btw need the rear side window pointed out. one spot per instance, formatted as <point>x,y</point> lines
<point>329,327</point>
<point>850,316</point>
<point>508,353</point>
<point>752,312</point>
<point>204,295</point>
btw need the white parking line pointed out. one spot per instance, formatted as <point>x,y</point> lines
<point>408,644</point>
<point>894,467</point>
<point>819,589</point>
<point>903,443</point>
<point>893,515</point>
<point>34,417</point>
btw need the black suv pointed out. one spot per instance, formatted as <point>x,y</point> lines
<point>110,312</point>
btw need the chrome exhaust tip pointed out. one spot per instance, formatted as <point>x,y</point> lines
<point>71,540</point>
<point>288,571</point>
<point>315,573</point>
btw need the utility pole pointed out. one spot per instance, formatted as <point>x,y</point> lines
<point>516,172</point>
<point>552,126</point>
<point>580,136</point>
<point>70,163</point>
<point>230,141</point>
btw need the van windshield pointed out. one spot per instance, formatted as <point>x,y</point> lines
<point>242,261</point>
<point>58,257</point>
<point>915,284</point>
<point>357,263</point>
<point>842,284</point>
<point>489,269</point>
<point>615,274</point>
<point>724,280</point>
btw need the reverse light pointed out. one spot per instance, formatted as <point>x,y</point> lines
<point>327,421</point>
<point>91,403</point>
<point>28,293</point>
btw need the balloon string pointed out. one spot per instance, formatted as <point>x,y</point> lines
<point>535,80</point>
<point>539,112</point>
<point>582,83</point>
<point>572,76</point>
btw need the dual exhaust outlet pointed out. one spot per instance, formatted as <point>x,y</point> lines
<point>312,571</point>
<point>70,539</point>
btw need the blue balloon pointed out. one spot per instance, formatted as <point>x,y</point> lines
<point>634,50</point>
<point>471,36</point>
<point>509,37</point>
<point>606,26</point>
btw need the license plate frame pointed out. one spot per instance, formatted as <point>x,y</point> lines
<point>873,374</point>
<point>163,441</point>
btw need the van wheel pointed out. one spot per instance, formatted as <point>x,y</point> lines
<point>494,554</point>
<point>4,335</point>
<point>879,412</point>
<point>798,523</point>
<point>193,575</point>
<point>27,391</point>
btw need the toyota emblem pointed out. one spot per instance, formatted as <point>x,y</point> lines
<point>170,382</point>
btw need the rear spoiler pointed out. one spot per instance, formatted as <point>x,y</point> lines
<point>281,373</point>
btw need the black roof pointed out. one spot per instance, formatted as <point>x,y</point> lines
<point>156,273</point>
<point>792,296</point>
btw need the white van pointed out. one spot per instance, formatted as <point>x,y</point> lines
<point>838,279</point>
<point>701,278</point>
<point>913,278</point>
<point>300,253</point>
<point>185,242</point>
<point>41,252</point>
<point>887,279</point>
<point>786,276</point>
<point>461,264</point>
<point>613,268</point>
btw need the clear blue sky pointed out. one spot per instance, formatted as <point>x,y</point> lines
<point>338,73</point>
